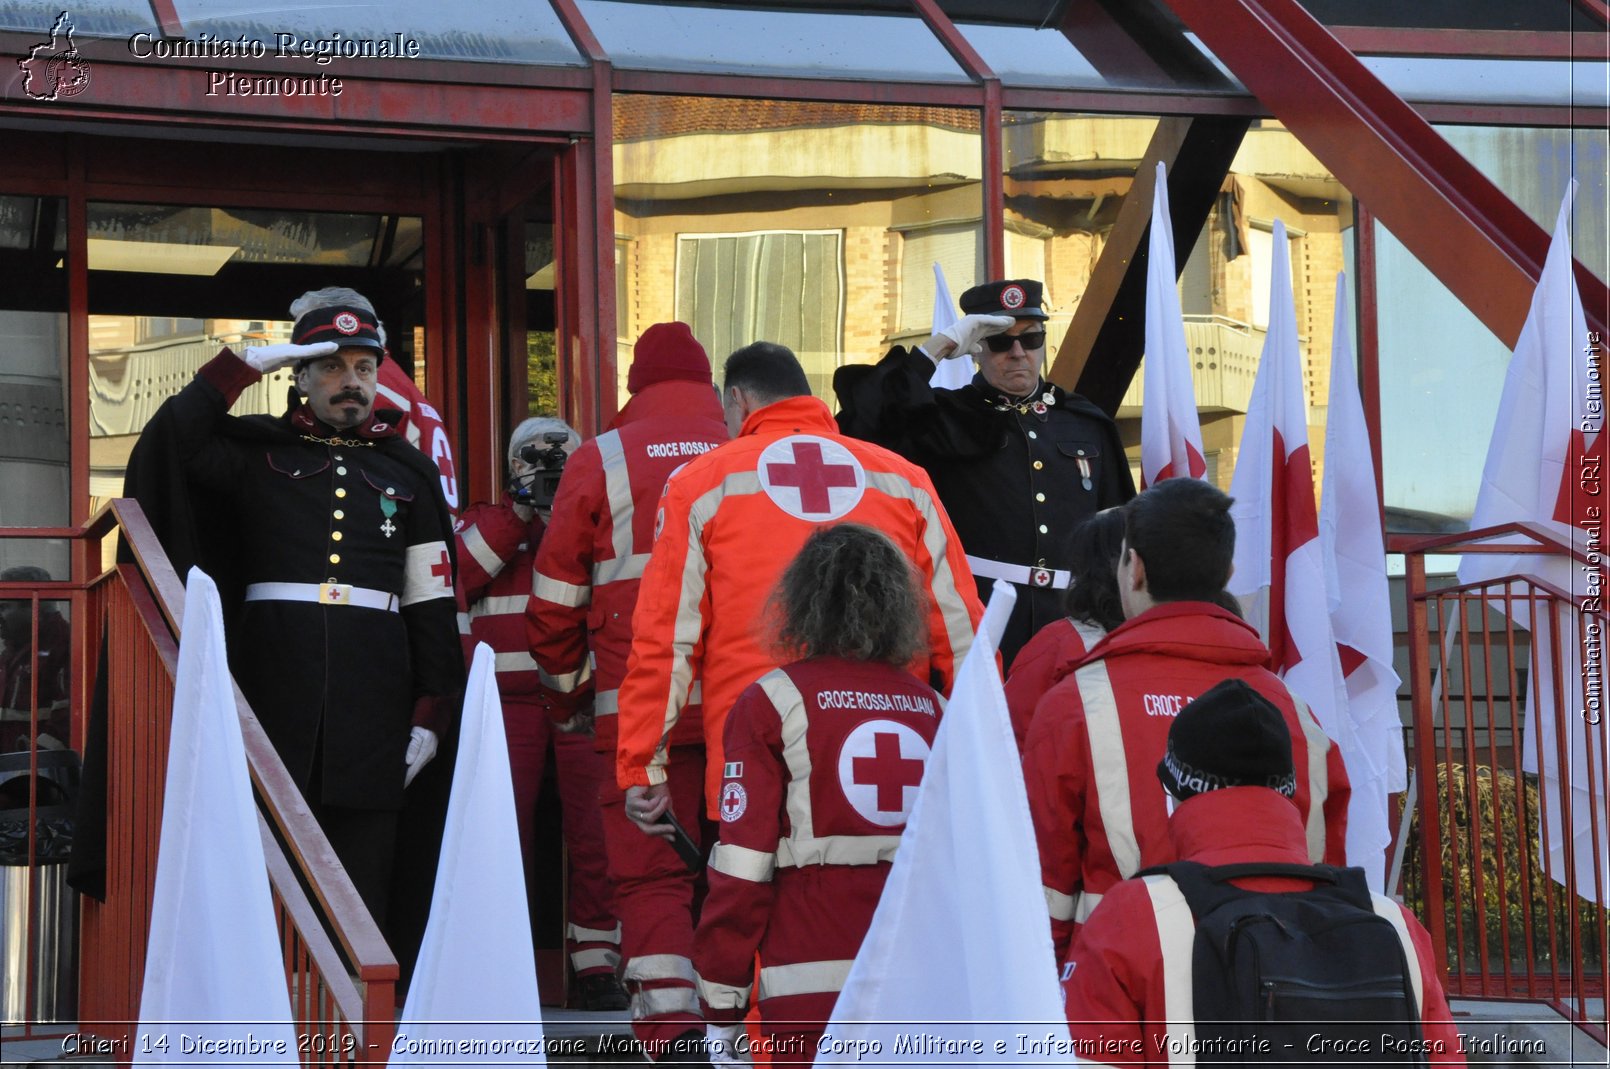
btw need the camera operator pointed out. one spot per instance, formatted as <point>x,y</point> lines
<point>496,545</point>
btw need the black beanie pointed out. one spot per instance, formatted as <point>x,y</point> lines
<point>1231,736</point>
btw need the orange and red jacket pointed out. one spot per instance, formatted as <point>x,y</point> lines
<point>1128,979</point>
<point>584,583</point>
<point>1090,761</point>
<point>732,521</point>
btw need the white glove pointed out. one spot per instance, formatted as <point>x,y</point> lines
<point>722,1046</point>
<point>266,358</point>
<point>421,748</point>
<point>965,337</point>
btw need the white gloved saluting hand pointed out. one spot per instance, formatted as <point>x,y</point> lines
<point>965,337</point>
<point>266,358</point>
<point>421,748</point>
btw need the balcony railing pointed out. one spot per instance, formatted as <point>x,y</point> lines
<point>1224,361</point>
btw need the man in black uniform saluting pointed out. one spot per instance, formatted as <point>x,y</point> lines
<point>332,532</point>
<point>1018,462</point>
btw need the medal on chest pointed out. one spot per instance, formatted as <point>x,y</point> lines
<point>388,509</point>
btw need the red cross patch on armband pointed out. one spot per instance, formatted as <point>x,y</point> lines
<point>428,573</point>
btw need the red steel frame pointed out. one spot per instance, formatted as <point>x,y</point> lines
<point>1476,242</point>
<point>1470,235</point>
<point>1446,704</point>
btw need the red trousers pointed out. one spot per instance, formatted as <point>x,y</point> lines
<point>592,935</point>
<point>655,898</point>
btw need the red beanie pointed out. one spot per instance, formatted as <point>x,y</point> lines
<point>666,352</point>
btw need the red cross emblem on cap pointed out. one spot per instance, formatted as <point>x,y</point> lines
<point>346,323</point>
<point>1012,297</point>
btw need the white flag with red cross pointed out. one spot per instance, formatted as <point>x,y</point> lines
<point>1279,567</point>
<point>1170,432</point>
<point>1545,465</point>
<point>1360,608</point>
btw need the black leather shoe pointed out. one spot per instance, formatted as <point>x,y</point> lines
<point>599,993</point>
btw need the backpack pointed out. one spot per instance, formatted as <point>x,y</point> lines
<point>1312,976</point>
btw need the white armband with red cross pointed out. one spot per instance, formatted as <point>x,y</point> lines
<point>428,573</point>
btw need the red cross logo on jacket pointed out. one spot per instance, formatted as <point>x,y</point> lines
<point>811,478</point>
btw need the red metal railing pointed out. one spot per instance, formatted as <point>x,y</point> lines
<point>1508,918</point>
<point>342,996</point>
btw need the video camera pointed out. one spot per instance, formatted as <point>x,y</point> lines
<point>537,487</point>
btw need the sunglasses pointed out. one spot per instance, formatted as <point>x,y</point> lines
<point>1002,343</point>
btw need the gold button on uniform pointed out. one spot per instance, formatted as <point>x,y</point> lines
<point>335,558</point>
<point>1039,497</point>
<point>335,536</point>
<point>1038,464</point>
<point>341,491</point>
<point>341,471</point>
<point>340,515</point>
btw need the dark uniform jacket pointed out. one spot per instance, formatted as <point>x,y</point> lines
<point>287,500</point>
<point>1016,480</point>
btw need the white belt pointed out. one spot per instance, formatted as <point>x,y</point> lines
<point>323,594</point>
<point>1021,574</point>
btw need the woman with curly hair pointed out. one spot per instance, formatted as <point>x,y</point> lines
<point>823,758</point>
<point>1093,609</point>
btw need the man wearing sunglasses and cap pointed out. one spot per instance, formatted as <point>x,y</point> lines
<point>1018,462</point>
<point>331,542</point>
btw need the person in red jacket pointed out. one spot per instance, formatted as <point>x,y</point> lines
<point>1128,983</point>
<point>496,545</point>
<point>822,761</point>
<point>729,524</point>
<point>1093,608</point>
<point>583,590</point>
<point>1096,736</point>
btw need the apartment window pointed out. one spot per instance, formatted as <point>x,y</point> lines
<point>779,286</point>
<point>960,255</point>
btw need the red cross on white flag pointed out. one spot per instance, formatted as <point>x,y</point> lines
<point>1279,567</point>
<point>1545,466</point>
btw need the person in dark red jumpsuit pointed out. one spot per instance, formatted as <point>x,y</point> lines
<point>823,757</point>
